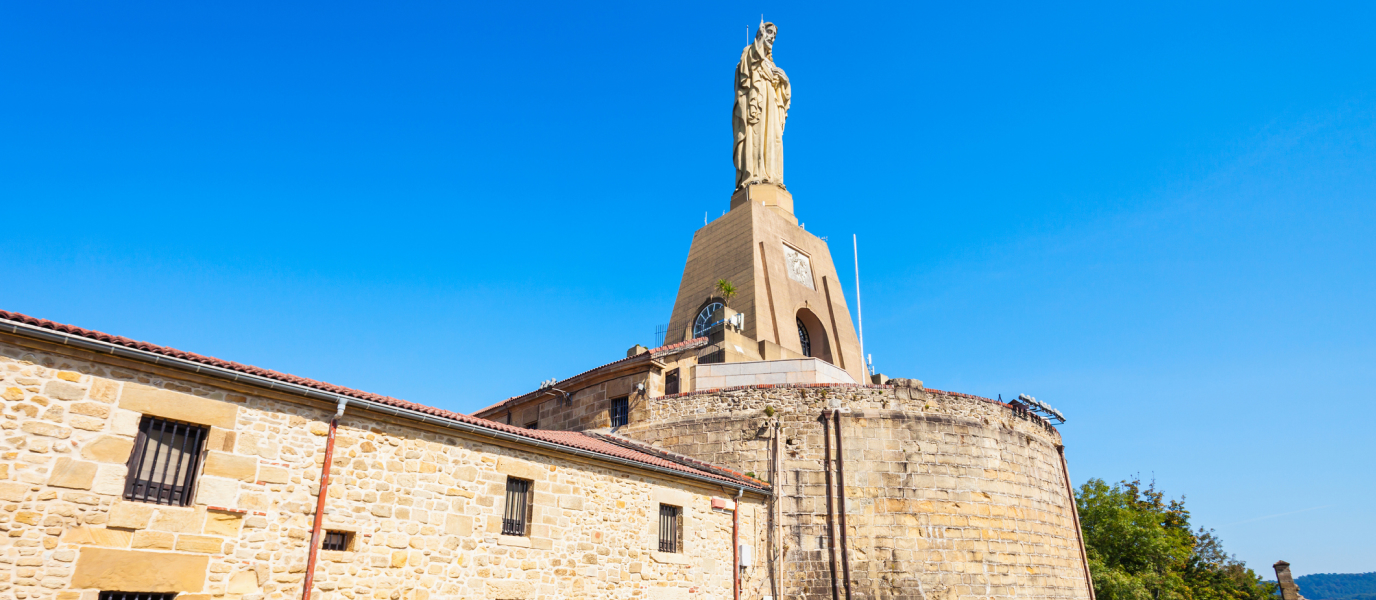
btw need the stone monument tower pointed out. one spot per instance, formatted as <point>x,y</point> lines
<point>789,295</point>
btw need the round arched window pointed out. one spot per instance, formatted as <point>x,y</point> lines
<point>802,337</point>
<point>704,321</point>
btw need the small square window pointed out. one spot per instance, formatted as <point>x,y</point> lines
<point>519,508</point>
<point>337,541</point>
<point>164,462</point>
<point>670,528</point>
<point>621,411</point>
<point>533,425</point>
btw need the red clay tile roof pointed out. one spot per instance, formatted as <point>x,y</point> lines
<point>568,439</point>
<point>653,353</point>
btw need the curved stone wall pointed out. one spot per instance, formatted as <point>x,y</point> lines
<point>947,495</point>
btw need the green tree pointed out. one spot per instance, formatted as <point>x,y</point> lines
<point>1141,547</point>
<point>727,290</point>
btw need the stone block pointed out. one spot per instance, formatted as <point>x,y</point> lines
<point>63,390</point>
<point>178,520</point>
<point>98,536</point>
<point>220,439</point>
<point>199,543</point>
<point>268,474</point>
<point>46,429</point>
<point>223,523</point>
<point>521,469</point>
<point>74,474</point>
<point>178,406</point>
<point>14,492</point>
<point>110,480</point>
<point>571,502</point>
<point>104,390</point>
<point>156,540</point>
<point>243,582</point>
<point>217,491</point>
<point>156,572</point>
<point>108,449</point>
<point>233,466</point>
<point>510,590</point>
<point>458,525</point>
<point>125,422</point>
<point>91,409</point>
<point>130,515</point>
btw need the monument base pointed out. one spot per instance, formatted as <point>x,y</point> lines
<point>769,195</point>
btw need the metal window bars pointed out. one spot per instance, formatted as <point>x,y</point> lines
<point>514,516</point>
<point>163,465</point>
<point>336,541</point>
<point>621,411</point>
<point>804,338</point>
<point>135,596</point>
<point>670,533</point>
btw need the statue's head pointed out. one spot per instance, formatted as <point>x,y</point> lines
<point>764,36</point>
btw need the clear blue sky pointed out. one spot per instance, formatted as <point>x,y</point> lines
<point>1157,217</point>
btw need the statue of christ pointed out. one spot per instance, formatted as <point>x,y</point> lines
<point>762,97</point>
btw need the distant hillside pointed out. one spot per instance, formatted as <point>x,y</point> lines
<point>1338,586</point>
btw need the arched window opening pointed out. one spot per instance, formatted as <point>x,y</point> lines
<point>812,337</point>
<point>803,337</point>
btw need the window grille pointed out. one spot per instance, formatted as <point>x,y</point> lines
<point>516,516</point>
<point>621,411</point>
<point>163,465</point>
<point>337,541</point>
<point>670,528</point>
<point>802,337</point>
<point>135,596</point>
<point>671,382</point>
<point>533,425</point>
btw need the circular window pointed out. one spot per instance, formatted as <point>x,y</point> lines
<point>704,320</point>
<point>802,337</point>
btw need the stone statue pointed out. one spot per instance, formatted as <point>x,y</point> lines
<point>762,97</point>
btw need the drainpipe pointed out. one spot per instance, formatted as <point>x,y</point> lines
<point>736,546</point>
<point>1075,514</point>
<point>320,503</point>
<point>831,530</point>
<point>775,513</point>
<point>841,499</point>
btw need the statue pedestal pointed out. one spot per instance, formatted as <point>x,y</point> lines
<point>768,194</point>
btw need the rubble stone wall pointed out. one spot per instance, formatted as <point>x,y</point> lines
<point>947,496</point>
<point>423,505</point>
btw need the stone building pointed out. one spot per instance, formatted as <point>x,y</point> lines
<point>132,470</point>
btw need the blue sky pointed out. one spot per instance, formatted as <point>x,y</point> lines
<point>1157,217</point>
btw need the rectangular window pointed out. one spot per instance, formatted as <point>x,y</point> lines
<point>337,541</point>
<point>671,383</point>
<point>621,411</point>
<point>517,513</point>
<point>533,425</point>
<point>163,465</point>
<point>670,528</point>
<point>135,596</point>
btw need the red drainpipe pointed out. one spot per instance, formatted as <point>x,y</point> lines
<point>320,504</point>
<point>736,546</point>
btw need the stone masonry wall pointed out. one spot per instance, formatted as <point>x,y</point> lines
<point>948,496</point>
<point>423,505</point>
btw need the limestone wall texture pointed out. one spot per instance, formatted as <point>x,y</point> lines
<point>423,504</point>
<point>948,496</point>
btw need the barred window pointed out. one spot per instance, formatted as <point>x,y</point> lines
<point>163,465</point>
<point>670,528</point>
<point>621,411</point>
<point>516,516</point>
<point>533,425</point>
<point>671,382</point>
<point>135,596</point>
<point>337,541</point>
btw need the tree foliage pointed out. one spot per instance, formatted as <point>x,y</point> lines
<point>1141,547</point>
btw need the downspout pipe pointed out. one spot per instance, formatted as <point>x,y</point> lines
<point>1075,514</point>
<point>841,499</point>
<point>736,545</point>
<point>831,530</point>
<point>320,503</point>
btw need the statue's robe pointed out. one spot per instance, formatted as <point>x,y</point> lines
<point>762,97</point>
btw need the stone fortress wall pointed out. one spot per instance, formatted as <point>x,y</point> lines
<point>947,496</point>
<point>423,503</point>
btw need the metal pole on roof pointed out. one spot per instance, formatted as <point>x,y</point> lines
<point>859,316</point>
